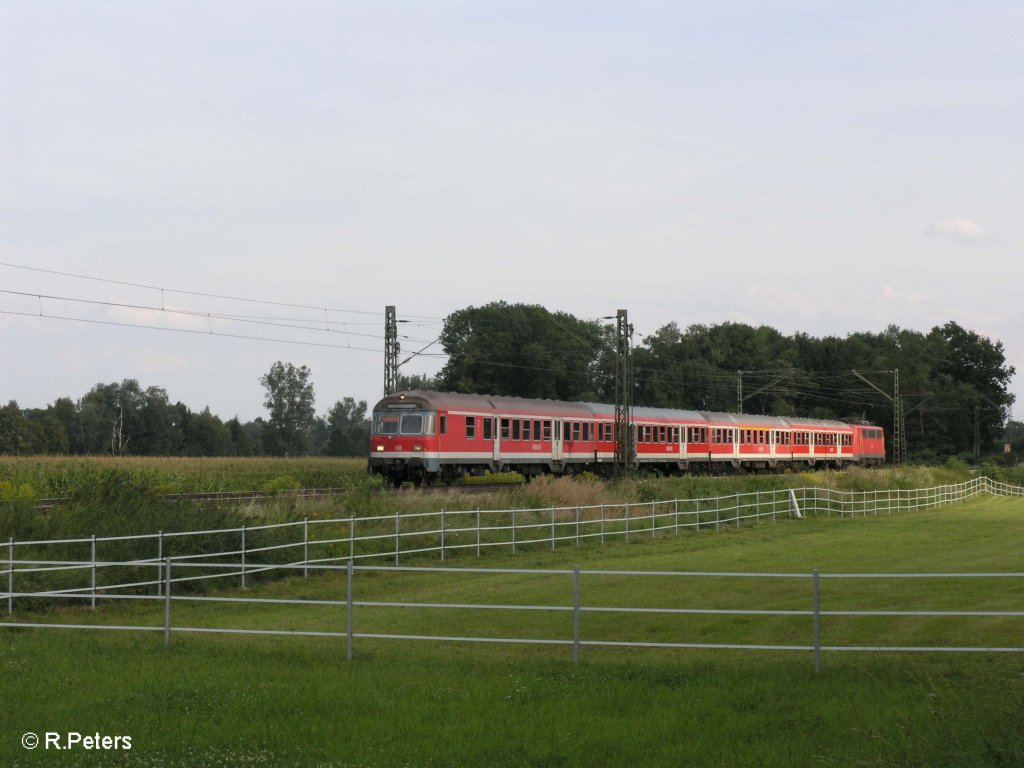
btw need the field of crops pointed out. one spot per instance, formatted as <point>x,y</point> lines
<point>60,476</point>
<point>244,700</point>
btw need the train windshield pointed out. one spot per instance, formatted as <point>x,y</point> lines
<point>403,424</point>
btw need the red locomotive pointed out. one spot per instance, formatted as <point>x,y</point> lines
<point>428,436</point>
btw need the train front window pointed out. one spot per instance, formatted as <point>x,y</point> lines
<point>387,424</point>
<point>404,424</point>
<point>412,423</point>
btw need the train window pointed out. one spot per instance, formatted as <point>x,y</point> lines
<point>515,429</point>
<point>442,425</point>
<point>575,431</point>
<point>536,429</point>
<point>412,423</point>
<point>488,428</point>
<point>547,429</point>
<point>527,431</point>
<point>470,428</point>
<point>387,424</point>
<point>675,434</point>
<point>504,429</point>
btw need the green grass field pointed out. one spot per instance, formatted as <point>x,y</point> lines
<point>245,700</point>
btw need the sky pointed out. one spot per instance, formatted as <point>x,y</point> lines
<point>822,167</point>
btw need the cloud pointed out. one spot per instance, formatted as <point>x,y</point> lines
<point>891,294</point>
<point>960,231</point>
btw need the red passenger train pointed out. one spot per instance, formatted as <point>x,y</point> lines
<point>428,436</point>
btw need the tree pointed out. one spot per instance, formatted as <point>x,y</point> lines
<point>290,403</point>
<point>417,381</point>
<point>348,429</point>
<point>521,350</point>
<point>14,430</point>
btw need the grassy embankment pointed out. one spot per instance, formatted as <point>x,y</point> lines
<point>246,700</point>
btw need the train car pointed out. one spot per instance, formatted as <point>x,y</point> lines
<point>868,445</point>
<point>424,436</point>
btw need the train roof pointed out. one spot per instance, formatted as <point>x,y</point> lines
<point>454,401</point>
<point>450,401</point>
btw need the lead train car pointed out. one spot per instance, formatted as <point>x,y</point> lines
<point>428,436</point>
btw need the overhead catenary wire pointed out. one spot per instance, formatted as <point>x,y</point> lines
<point>182,312</point>
<point>203,294</point>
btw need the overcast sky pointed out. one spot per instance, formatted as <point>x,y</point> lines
<point>823,167</point>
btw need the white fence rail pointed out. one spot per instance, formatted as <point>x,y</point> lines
<point>308,543</point>
<point>571,635</point>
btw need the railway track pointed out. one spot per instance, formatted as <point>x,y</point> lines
<point>232,498</point>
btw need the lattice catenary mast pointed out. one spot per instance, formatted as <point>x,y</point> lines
<point>391,350</point>
<point>625,448</point>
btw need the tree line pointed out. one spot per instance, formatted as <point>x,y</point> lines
<point>123,419</point>
<point>953,385</point>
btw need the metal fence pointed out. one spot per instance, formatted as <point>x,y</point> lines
<point>569,636</point>
<point>45,571</point>
<point>98,564</point>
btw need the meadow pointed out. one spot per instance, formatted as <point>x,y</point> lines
<point>246,700</point>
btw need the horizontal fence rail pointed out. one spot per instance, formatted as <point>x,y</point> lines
<point>571,634</point>
<point>98,565</point>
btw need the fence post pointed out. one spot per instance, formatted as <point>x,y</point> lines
<point>577,525</point>
<point>513,531</point>
<point>305,547</point>
<point>602,524</point>
<point>167,603</point>
<point>576,615</point>
<point>625,508</point>
<point>243,557</point>
<point>398,544</point>
<point>159,563</point>
<point>696,514</point>
<point>478,531</point>
<point>10,575</point>
<point>817,625</point>
<point>736,499</point>
<point>552,528</point>
<point>675,509</point>
<point>718,516</point>
<point>442,534</point>
<point>92,600</point>
<point>654,520</point>
<point>757,506</point>
<point>351,537</point>
<point>348,610</point>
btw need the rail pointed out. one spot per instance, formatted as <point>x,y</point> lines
<point>572,634</point>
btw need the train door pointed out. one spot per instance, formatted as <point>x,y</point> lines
<point>496,432</point>
<point>556,440</point>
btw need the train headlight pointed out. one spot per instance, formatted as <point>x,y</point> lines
<point>380,447</point>
<point>417,447</point>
